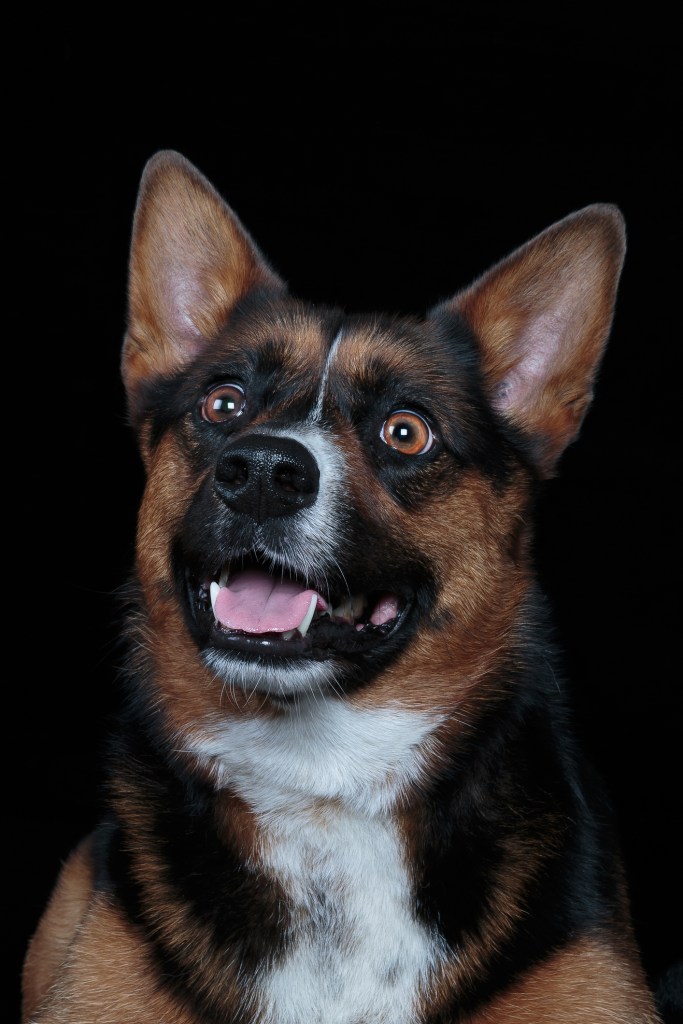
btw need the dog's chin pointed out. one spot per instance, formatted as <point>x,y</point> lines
<point>282,678</point>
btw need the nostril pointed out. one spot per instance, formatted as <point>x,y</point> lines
<point>291,478</point>
<point>233,471</point>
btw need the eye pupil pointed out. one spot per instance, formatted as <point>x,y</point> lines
<point>222,403</point>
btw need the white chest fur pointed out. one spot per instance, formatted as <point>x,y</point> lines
<point>322,783</point>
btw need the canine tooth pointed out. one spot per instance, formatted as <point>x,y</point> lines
<point>305,623</point>
<point>223,578</point>
<point>289,634</point>
<point>213,590</point>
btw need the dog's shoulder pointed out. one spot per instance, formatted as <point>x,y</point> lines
<point>85,961</point>
<point>58,926</point>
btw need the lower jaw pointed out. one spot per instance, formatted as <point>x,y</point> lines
<point>343,660</point>
<point>279,678</point>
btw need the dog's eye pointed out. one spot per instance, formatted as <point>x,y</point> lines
<point>407,432</point>
<point>223,402</point>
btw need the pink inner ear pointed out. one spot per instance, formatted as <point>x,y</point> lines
<point>540,348</point>
<point>181,297</point>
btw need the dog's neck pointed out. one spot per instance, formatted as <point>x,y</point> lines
<point>319,751</point>
<point>323,783</point>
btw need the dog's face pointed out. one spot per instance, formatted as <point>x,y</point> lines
<point>340,503</point>
<point>321,459</point>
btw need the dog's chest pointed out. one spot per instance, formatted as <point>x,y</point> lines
<point>355,950</point>
<point>322,789</point>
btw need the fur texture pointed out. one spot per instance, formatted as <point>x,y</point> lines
<point>369,809</point>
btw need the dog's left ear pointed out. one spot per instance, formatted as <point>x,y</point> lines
<point>542,317</point>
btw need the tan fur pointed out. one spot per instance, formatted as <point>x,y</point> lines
<point>87,963</point>
<point>86,966</point>
<point>591,982</point>
<point>58,926</point>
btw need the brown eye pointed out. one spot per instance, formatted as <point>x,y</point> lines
<point>407,432</point>
<point>222,403</point>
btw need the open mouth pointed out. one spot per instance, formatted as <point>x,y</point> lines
<point>275,614</point>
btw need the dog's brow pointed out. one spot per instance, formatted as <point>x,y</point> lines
<point>316,411</point>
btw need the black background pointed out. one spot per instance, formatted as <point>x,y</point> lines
<point>380,162</point>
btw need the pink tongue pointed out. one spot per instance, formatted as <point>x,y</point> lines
<point>385,610</point>
<point>256,603</point>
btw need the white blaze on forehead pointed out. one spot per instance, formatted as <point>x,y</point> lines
<point>316,411</point>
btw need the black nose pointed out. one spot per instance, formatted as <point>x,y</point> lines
<point>264,476</point>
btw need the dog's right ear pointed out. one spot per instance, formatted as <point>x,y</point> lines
<point>191,262</point>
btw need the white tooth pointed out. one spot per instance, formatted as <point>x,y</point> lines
<point>340,612</point>
<point>289,634</point>
<point>351,608</point>
<point>305,623</point>
<point>223,578</point>
<point>213,589</point>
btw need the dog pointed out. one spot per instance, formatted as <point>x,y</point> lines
<point>345,787</point>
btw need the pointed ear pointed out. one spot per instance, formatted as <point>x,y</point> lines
<point>191,261</point>
<point>542,317</point>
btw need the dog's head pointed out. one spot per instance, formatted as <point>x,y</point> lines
<point>338,502</point>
